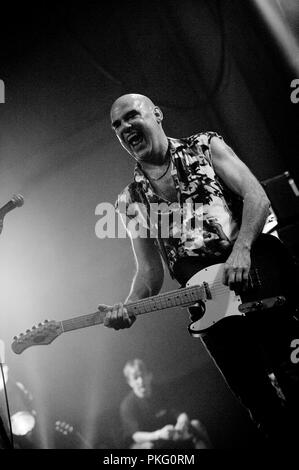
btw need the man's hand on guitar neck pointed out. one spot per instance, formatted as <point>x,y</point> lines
<point>117,316</point>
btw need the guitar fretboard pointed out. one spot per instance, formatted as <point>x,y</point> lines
<point>177,298</point>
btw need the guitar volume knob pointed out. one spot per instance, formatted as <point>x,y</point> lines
<point>280,301</point>
<point>258,305</point>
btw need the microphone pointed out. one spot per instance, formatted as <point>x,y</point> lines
<point>16,201</point>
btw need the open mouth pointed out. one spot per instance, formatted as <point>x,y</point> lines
<point>134,139</point>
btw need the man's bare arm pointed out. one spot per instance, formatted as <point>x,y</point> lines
<point>165,433</point>
<point>149,274</point>
<point>147,281</point>
<point>237,176</point>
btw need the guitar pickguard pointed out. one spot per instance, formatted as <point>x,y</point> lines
<point>223,302</point>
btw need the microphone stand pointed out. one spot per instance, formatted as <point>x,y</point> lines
<point>16,201</point>
<point>5,442</point>
<point>4,439</point>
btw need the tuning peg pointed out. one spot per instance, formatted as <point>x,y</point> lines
<point>40,324</point>
<point>15,338</point>
<point>46,321</point>
<point>34,327</point>
<point>21,334</point>
<point>27,331</point>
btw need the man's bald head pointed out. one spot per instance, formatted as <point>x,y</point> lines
<point>132,98</point>
<point>136,121</point>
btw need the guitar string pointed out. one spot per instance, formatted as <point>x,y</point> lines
<point>216,287</point>
<point>165,296</point>
<point>189,291</point>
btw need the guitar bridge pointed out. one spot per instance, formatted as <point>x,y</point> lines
<point>263,304</point>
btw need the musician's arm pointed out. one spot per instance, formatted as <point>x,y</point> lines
<point>149,273</point>
<point>147,281</point>
<point>164,433</point>
<point>202,438</point>
<point>237,176</point>
<point>131,426</point>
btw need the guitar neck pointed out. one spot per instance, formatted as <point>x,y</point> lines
<point>177,298</point>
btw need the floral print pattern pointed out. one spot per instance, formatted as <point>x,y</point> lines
<point>208,230</point>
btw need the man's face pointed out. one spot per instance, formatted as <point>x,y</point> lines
<point>140,381</point>
<point>135,121</point>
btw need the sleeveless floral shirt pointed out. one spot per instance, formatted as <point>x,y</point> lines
<point>210,228</point>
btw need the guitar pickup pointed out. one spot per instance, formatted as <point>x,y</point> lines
<point>263,304</point>
<point>207,290</point>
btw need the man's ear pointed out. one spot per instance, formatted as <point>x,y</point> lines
<point>158,114</point>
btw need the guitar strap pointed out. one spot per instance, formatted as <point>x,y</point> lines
<point>158,241</point>
<point>163,252</point>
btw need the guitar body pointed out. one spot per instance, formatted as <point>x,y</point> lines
<point>272,285</point>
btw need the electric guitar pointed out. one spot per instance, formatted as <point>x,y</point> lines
<point>271,285</point>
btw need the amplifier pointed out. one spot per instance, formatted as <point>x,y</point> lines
<point>284,197</point>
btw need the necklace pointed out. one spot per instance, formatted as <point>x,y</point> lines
<point>163,174</point>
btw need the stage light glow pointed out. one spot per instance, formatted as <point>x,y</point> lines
<point>273,15</point>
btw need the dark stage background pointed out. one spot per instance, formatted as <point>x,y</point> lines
<point>210,65</point>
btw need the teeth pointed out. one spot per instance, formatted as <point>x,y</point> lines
<point>133,138</point>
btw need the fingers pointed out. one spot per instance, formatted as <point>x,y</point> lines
<point>236,278</point>
<point>236,269</point>
<point>246,278</point>
<point>116,316</point>
<point>183,422</point>
<point>103,307</point>
<point>166,432</point>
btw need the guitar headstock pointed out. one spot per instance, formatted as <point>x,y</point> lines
<point>42,334</point>
<point>64,428</point>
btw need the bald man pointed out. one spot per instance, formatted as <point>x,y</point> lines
<point>137,123</point>
<point>201,169</point>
